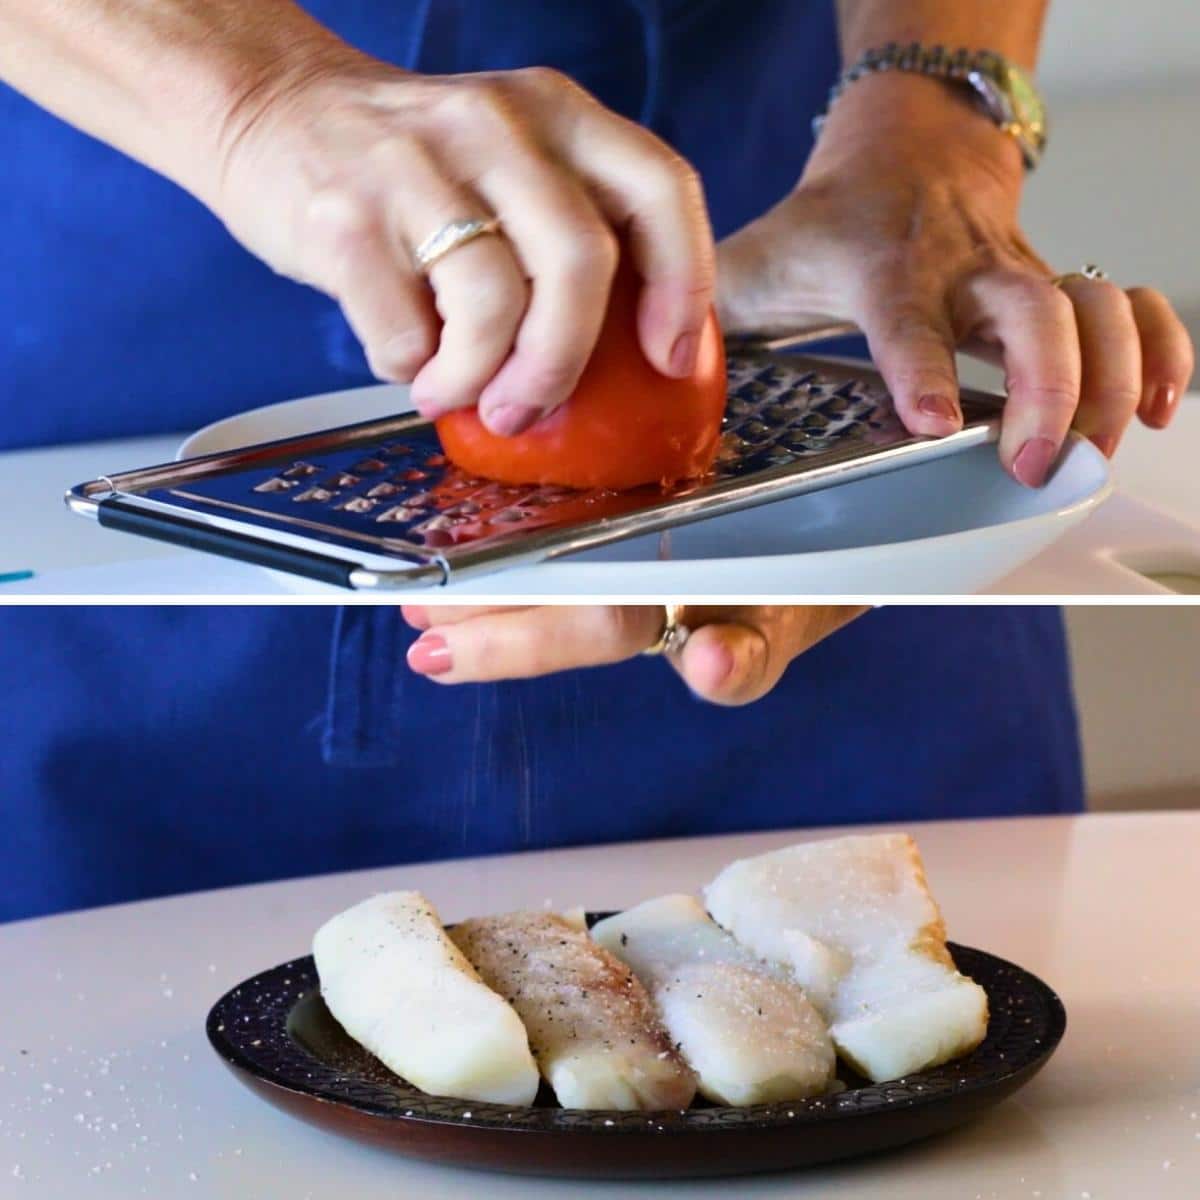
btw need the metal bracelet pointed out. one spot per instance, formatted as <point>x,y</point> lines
<point>934,61</point>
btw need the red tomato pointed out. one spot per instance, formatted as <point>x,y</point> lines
<point>624,425</point>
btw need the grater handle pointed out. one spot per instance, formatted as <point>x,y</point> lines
<point>115,513</point>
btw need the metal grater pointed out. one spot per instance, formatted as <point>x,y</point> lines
<point>377,505</point>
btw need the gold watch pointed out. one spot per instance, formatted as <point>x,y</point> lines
<point>1004,92</point>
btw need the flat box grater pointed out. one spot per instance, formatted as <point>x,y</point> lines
<point>376,505</point>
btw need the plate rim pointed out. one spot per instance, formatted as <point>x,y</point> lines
<point>1057,515</point>
<point>498,1117</point>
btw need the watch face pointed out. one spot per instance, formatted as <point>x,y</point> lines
<point>1027,107</point>
<point>1012,101</point>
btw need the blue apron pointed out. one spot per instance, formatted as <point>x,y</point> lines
<point>157,750</point>
<point>127,309</point>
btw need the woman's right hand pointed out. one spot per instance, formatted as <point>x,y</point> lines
<point>735,654</point>
<point>335,169</point>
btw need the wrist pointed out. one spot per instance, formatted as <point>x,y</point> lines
<point>224,86</point>
<point>918,125</point>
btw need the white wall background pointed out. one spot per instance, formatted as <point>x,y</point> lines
<point>1092,45</point>
<point>1137,686</point>
<point>1120,185</point>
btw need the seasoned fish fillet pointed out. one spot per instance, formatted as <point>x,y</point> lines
<point>854,920</point>
<point>745,1027</point>
<point>400,987</point>
<point>592,1027</point>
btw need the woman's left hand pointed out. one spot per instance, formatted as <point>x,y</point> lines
<point>734,655</point>
<point>906,224</point>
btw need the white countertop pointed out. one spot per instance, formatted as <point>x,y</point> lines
<point>108,1087</point>
<point>1152,522</point>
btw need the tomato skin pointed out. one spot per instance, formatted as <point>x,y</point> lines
<point>625,424</point>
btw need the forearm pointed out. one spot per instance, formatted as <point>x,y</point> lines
<point>158,79</point>
<point>889,109</point>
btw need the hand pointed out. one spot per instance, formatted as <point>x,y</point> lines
<point>906,224</point>
<point>734,655</point>
<point>334,169</point>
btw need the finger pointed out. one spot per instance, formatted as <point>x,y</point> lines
<point>537,641</point>
<point>1168,357</point>
<point>479,289</point>
<point>421,616</point>
<point>726,663</point>
<point>1111,383</point>
<point>654,195</point>
<point>1033,323</point>
<point>912,344</point>
<point>568,251</point>
<point>387,305</point>
<point>734,662</point>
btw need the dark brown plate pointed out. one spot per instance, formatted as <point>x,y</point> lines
<point>278,1037</point>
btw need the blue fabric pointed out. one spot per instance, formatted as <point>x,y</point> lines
<point>155,750</point>
<point>127,309</point>
<point>149,751</point>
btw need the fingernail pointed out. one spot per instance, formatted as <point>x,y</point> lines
<point>683,354</point>
<point>423,398</point>
<point>415,615</point>
<point>722,664</point>
<point>429,655</point>
<point>510,419</point>
<point>941,407</point>
<point>1033,462</point>
<point>710,671</point>
<point>1106,444</point>
<point>1163,405</point>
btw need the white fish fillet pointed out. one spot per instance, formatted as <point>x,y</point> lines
<point>854,920</point>
<point>592,1027</point>
<point>744,1026</point>
<point>400,987</point>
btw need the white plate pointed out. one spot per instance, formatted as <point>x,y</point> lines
<point>947,527</point>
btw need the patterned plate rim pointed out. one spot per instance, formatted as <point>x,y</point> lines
<point>265,1048</point>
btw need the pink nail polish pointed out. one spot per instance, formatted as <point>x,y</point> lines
<point>423,395</point>
<point>941,407</point>
<point>429,655</point>
<point>510,419</point>
<point>1034,460</point>
<point>721,666</point>
<point>683,354</point>
<point>1164,403</point>
<point>710,670</point>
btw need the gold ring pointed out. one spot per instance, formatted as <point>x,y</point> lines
<point>1090,272</point>
<point>449,237</point>
<point>674,632</point>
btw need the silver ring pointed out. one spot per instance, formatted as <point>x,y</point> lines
<point>449,237</point>
<point>674,633</point>
<point>1087,271</point>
